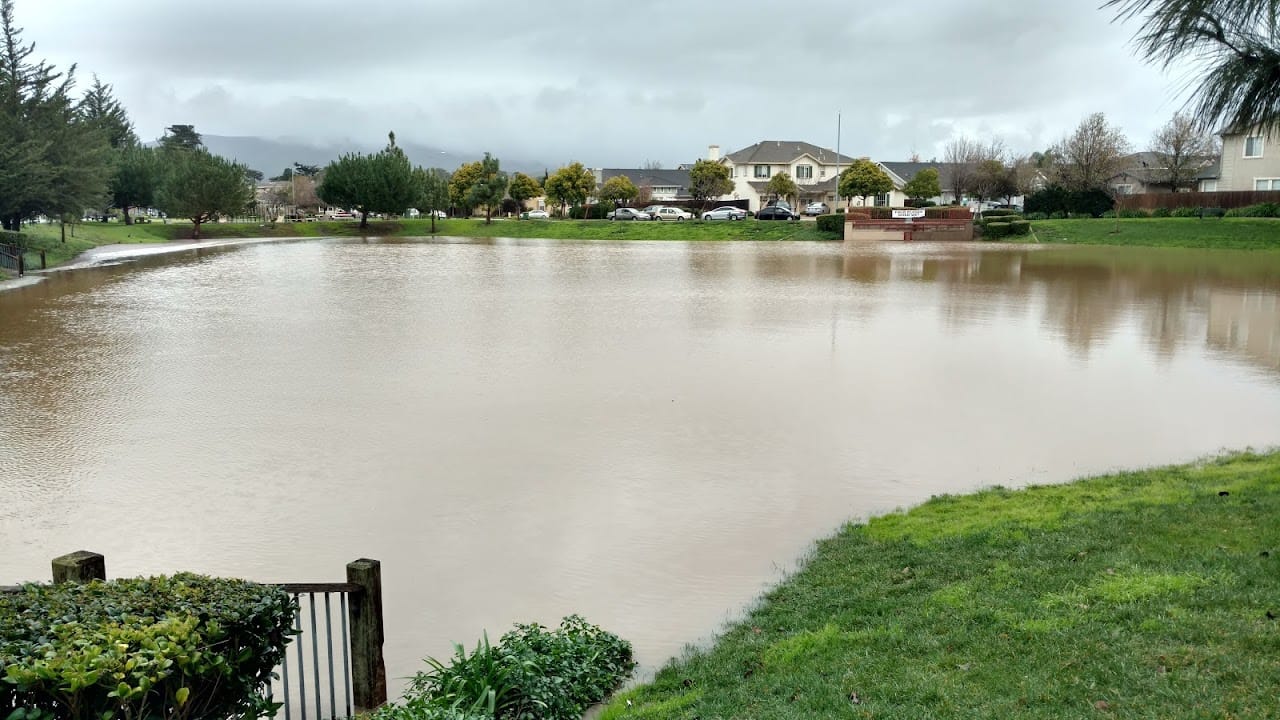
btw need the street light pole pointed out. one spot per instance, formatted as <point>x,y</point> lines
<point>837,161</point>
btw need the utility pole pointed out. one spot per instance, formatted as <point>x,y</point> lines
<point>837,162</point>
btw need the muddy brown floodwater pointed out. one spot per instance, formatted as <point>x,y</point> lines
<point>648,434</point>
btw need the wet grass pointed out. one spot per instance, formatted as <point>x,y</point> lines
<point>1149,594</point>
<point>1219,233</point>
<point>90,235</point>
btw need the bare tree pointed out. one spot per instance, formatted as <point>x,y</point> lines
<point>1091,155</point>
<point>963,156</point>
<point>1181,149</point>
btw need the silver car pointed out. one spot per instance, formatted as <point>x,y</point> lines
<point>727,212</point>
<point>629,214</point>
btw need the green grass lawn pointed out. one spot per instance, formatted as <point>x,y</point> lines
<point>89,235</point>
<point>1222,233</point>
<point>1151,594</point>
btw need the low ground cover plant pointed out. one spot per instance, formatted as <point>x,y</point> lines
<point>186,647</point>
<point>533,673</point>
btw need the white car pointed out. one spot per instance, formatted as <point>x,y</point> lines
<point>671,213</point>
<point>339,215</point>
<point>728,212</point>
<point>816,208</point>
<point>537,215</point>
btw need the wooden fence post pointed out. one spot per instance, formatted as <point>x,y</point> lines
<point>79,567</point>
<point>368,672</point>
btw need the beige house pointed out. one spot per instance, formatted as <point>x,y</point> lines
<point>1250,161</point>
<point>814,170</point>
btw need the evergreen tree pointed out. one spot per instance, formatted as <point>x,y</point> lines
<point>201,186</point>
<point>433,192</point>
<point>137,177</point>
<point>102,111</point>
<point>181,137</point>
<point>489,188</point>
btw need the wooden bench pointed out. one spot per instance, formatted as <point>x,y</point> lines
<point>1212,212</point>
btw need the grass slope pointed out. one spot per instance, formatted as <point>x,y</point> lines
<point>1141,595</point>
<point>1221,233</point>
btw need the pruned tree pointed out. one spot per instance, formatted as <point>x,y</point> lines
<point>1236,41</point>
<point>781,187</point>
<point>523,188</point>
<point>1091,155</point>
<point>489,187</point>
<point>619,190</point>
<point>379,183</point>
<point>202,186</point>
<point>709,179</point>
<point>924,185</point>
<point>570,186</point>
<point>1181,149</point>
<point>864,178</point>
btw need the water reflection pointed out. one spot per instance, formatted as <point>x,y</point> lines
<point>645,433</point>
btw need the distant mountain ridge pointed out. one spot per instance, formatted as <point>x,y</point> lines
<point>272,156</point>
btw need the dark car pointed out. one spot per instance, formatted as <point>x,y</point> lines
<point>774,212</point>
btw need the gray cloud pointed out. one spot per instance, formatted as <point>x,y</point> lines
<point>612,84</point>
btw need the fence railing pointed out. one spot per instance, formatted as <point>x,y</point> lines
<point>1226,199</point>
<point>336,669</point>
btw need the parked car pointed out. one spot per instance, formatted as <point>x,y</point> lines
<point>672,213</point>
<point>776,212</point>
<point>816,208</point>
<point>536,215</point>
<point>1007,207</point>
<point>629,214</point>
<point>780,203</point>
<point>338,215</point>
<point>728,212</point>
<point>651,209</point>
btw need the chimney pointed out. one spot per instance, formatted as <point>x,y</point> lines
<point>713,153</point>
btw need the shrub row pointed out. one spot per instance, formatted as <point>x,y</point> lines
<point>532,673</point>
<point>186,646</point>
<point>1267,210</point>
<point>1000,229</point>
<point>1056,199</point>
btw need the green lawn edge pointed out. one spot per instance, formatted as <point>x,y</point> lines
<point>1216,233</point>
<point>87,236</point>
<point>1147,594</point>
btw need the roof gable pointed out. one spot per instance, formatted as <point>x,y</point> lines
<point>785,152</point>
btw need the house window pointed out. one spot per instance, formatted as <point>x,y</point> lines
<point>1124,189</point>
<point>822,172</point>
<point>1208,186</point>
<point>1253,146</point>
<point>804,172</point>
<point>1266,184</point>
<point>762,171</point>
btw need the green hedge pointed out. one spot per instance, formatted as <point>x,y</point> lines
<point>591,212</point>
<point>1186,212</point>
<point>1000,212</point>
<point>831,223</point>
<point>186,646</point>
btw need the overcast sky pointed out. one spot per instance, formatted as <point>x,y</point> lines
<point>614,84</point>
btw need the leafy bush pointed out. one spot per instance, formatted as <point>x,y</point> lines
<point>855,216</point>
<point>1109,214</point>
<point>1261,210</point>
<point>1057,215</point>
<point>1134,213</point>
<point>8,237</point>
<point>1079,216</point>
<point>592,212</point>
<point>1000,212</point>
<point>1185,212</point>
<point>1020,227</point>
<point>186,646</point>
<point>831,223</point>
<point>532,674</point>
<point>1036,216</point>
<point>1162,212</point>
<point>996,230</point>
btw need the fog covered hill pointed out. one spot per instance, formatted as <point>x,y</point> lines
<point>272,156</point>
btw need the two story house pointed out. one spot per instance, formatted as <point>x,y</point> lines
<point>1250,161</point>
<point>814,170</point>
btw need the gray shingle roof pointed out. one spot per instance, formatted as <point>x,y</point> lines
<point>781,152</point>
<point>652,178</point>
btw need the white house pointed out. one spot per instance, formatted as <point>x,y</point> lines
<point>1250,161</point>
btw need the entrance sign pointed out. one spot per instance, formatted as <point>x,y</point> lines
<point>914,213</point>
